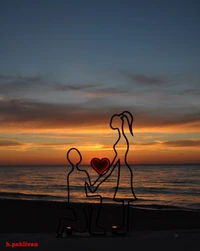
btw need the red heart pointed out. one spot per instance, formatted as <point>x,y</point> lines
<point>100,165</point>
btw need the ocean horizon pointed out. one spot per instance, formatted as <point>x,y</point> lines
<point>157,186</point>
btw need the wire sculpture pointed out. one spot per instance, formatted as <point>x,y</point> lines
<point>104,169</point>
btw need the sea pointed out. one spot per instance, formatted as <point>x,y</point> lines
<point>165,187</point>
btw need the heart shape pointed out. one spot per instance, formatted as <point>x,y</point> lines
<point>100,165</point>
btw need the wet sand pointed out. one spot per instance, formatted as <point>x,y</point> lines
<point>35,222</point>
<point>20,216</point>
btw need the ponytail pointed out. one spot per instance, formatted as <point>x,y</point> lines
<point>129,118</point>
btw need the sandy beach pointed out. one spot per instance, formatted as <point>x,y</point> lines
<point>23,216</point>
<point>36,222</point>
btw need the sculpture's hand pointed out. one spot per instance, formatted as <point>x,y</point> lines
<point>89,188</point>
<point>105,175</point>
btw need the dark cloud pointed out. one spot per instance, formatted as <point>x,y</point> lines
<point>182,143</point>
<point>143,79</point>
<point>20,114</point>
<point>15,112</point>
<point>14,85</point>
<point>57,144</point>
<point>62,87</point>
<point>9,84</point>
<point>9,143</point>
<point>176,143</point>
<point>189,91</point>
<point>145,144</point>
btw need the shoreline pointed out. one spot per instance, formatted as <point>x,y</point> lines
<point>28,216</point>
<point>138,204</point>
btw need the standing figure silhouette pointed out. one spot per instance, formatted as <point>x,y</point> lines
<point>125,175</point>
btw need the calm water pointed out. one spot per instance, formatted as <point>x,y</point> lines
<point>156,186</point>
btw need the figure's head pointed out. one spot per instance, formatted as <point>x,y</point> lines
<point>74,156</point>
<point>117,121</point>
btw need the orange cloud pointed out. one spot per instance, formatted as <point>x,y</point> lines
<point>20,115</point>
<point>60,127</point>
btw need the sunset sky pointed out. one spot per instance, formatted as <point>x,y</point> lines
<point>67,66</point>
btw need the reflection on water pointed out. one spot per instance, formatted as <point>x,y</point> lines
<point>172,185</point>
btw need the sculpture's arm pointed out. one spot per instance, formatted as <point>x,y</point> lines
<point>104,176</point>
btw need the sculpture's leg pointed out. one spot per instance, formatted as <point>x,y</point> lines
<point>125,218</point>
<point>79,224</point>
<point>94,227</point>
<point>63,222</point>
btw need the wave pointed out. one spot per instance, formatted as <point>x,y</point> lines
<point>29,196</point>
<point>150,204</point>
<point>160,207</point>
<point>160,190</point>
<point>184,182</point>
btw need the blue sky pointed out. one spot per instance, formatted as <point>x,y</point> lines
<point>90,59</point>
<point>155,37</point>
